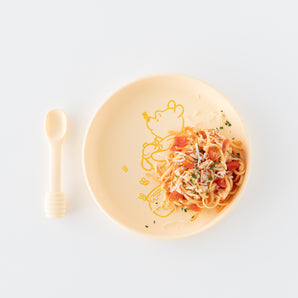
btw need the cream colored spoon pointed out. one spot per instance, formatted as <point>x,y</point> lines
<point>56,127</point>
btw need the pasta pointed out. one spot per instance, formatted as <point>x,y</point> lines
<point>204,169</point>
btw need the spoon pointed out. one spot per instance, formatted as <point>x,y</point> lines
<point>56,127</point>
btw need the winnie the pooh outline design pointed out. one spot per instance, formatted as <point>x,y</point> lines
<point>159,128</point>
<point>154,152</point>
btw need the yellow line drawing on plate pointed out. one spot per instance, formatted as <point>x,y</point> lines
<point>154,198</point>
<point>144,181</point>
<point>159,126</point>
<point>154,152</point>
<point>142,197</point>
<point>125,169</point>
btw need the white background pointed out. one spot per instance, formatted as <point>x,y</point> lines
<point>72,55</point>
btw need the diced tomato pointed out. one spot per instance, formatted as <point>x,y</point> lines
<point>175,148</point>
<point>204,135</point>
<point>194,207</point>
<point>221,182</point>
<point>175,195</point>
<point>225,145</point>
<point>188,164</point>
<point>232,165</point>
<point>180,141</point>
<point>213,153</point>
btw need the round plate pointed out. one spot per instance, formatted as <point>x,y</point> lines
<point>123,144</point>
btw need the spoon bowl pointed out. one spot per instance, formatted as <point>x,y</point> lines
<point>56,124</point>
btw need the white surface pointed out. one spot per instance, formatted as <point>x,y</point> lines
<point>71,55</point>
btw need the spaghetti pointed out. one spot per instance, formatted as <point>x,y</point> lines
<point>204,170</point>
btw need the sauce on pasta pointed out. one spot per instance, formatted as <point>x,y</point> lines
<point>204,169</point>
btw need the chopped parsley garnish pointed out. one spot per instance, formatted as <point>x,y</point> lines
<point>154,221</point>
<point>210,178</point>
<point>156,203</point>
<point>176,176</point>
<point>221,110</point>
<point>146,226</point>
<point>185,209</point>
<point>191,182</point>
<point>194,176</point>
<point>233,138</point>
<point>201,150</point>
<point>207,190</point>
<point>193,216</point>
<point>228,123</point>
<point>213,166</point>
<point>237,156</point>
<point>221,127</point>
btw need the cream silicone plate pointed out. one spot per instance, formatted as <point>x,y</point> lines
<point>124,140</point>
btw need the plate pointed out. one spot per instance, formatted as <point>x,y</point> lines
<point>122,147</point>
